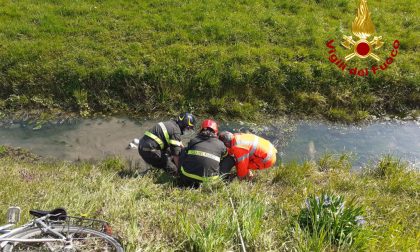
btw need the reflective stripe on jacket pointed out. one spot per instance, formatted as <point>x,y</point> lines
<point>196,177</point>
<point>167,141</point>
<point>252,152</point>
<point>202,157</point>
<point>204,154</point>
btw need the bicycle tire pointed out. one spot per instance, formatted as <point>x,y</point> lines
<point>83,239</point>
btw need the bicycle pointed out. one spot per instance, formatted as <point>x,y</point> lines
<point>56,231</point>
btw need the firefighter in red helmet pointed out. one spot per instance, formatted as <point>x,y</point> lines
<point>201,158</point>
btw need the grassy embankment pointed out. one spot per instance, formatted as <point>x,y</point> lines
<point>231,58</point>
<point>151,213</point>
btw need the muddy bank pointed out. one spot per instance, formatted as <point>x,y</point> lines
<point>19,154</point>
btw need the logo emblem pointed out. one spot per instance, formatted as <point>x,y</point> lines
<point>362,27</point>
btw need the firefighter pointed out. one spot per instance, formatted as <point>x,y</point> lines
<point>249,151</point>
<point>161,145</point>
<point>200,160</point>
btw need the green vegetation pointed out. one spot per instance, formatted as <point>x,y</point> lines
<point>3,149</point>
<point>151,213</point>
<point>232,58</point>
<point>329,218</point>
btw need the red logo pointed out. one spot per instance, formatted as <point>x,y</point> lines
<point>362,28</point>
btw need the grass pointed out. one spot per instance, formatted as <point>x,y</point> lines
<point>151,213</point>
<point>207,57</point>
<point>3,149</point>
<point>332,220</point>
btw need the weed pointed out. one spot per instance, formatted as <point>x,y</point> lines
<point>3,149</point>
<point>113,164</point>
<point>311,102</point>
<point>338,114</point>
<point>81,97</point>
<point>330,219</point>
<point>331,161</point>
<point>387,167</point>
<point>213,235</point>
<point>293,174</point>
<point>396,174</point>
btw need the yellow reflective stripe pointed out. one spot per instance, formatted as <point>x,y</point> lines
<point>270,154</point>
<point>165,132</point>
<point>154,137</point>
<point>204,154</point>
<point>175,142</point>
<point>193,176</point>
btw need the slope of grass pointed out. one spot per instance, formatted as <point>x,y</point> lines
<point>151,213</point>
<point>236,58</point>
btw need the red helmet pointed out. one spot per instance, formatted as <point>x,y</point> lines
<point>210,124</point>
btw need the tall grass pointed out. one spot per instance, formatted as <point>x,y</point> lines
<point>215,233</point>
<point>331,219</point>
<point>236,58</point>
<point>395,176</point>
<point>151,213</point>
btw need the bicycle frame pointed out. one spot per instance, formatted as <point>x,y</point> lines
<point>39,222</point>
<point>55,230</point>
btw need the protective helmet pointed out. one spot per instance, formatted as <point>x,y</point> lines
<point>226,137</point>
<point>186,121</point>
<point>210,124</point>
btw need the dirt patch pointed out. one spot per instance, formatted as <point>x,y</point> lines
<point>18,154</point>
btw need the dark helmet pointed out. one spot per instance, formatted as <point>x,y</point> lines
<point>226,137</point>
<point>210,124</point>
<point>186,121</point>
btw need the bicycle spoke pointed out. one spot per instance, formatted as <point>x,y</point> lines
<point>78,239</point>
<point>91,243</point>
<point>39,246</point>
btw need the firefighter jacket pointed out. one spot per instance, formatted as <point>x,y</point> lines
<point>200,160</point>
<point>162,136</point>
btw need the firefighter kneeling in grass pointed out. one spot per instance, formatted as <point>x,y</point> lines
<point>161,146</point>
<point>250,152</point>
<point>200,160</point>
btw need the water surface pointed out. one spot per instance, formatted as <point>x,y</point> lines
<point>296,140</point>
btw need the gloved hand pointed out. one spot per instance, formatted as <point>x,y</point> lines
<point>133,144</point>
<point>250,176</point>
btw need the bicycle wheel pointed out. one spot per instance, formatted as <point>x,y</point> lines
<point>80,239</point>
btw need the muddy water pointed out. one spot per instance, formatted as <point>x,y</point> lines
<point>80,140</point>
<point>296,140</point>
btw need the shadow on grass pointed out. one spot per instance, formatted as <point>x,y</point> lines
<point>134,169</point>
<point>159,176</point>
<point>131,173</point>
